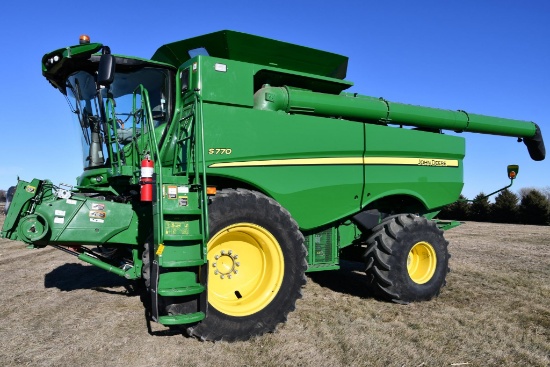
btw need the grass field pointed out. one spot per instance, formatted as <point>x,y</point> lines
<point>494,311</point>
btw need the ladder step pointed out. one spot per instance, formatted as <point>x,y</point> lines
<point>181,254</point>
<point>182,263</point>
<point>181,319</point>
<point>183,237</point>
<point>181,291</point>
<point>181,210</point>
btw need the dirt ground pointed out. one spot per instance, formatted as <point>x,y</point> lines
<point>494,311</point>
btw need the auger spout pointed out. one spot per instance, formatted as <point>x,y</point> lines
<point>378,110</point>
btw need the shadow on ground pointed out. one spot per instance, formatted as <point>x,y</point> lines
<point>350,279</point>
<point>70,277</point>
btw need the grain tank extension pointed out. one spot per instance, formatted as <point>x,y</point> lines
<point>221,170</point>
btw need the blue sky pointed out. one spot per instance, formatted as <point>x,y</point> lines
<point>489,57</point>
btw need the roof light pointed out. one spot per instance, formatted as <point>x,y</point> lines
<point>84,39</point>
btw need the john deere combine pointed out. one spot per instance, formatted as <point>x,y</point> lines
<point>228,165</point>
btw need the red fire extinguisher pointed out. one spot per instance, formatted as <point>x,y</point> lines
<point>146,180</point>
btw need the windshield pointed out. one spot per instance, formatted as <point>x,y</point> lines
<point>120,119</point>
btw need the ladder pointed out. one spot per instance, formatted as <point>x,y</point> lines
<point>180,217</point>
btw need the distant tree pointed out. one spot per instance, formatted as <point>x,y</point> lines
<point>505,208</point>
<point>2,196</point>
<point>457,211</point>
<point>534,207</point>
<point>524,191</point>
<point>480,208</point>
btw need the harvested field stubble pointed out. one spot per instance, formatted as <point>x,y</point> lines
<point>494,312</point>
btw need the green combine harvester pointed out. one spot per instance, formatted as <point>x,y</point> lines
<point>224,168</point>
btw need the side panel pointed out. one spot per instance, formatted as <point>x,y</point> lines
<point>262,148</point>
<point>39,218</point>
<point>88,221</point>
<point>315,167</point>
<point>224,81</point>
<point>422,164</point>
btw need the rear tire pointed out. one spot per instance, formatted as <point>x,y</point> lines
<point>407,258</point>
<point>257,260</point>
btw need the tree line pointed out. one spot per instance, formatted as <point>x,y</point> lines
<point>529,206</point>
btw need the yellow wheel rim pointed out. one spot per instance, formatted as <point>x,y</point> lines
<point>421,262</point>
<point>246,268</point>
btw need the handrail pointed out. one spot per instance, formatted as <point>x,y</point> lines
<point>149,146</point>
<point>183,135</point>
<point>112,139</point>
<point>200,156</point>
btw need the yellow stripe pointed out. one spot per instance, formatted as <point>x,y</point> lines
<point>433,162</point>
<point>291,162</point>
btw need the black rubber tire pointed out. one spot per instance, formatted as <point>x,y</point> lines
<point>387,254</point>
<point>229,207</point>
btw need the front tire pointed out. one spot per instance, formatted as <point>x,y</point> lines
<point>407,258</point>
<point>257,260</point>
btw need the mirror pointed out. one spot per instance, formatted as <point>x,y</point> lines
<point>106,70</point>
<point>513,170</point>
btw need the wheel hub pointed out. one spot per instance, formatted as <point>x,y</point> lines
<point>421,262</point>
<point>226,264</point>
<point>246,269</point>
